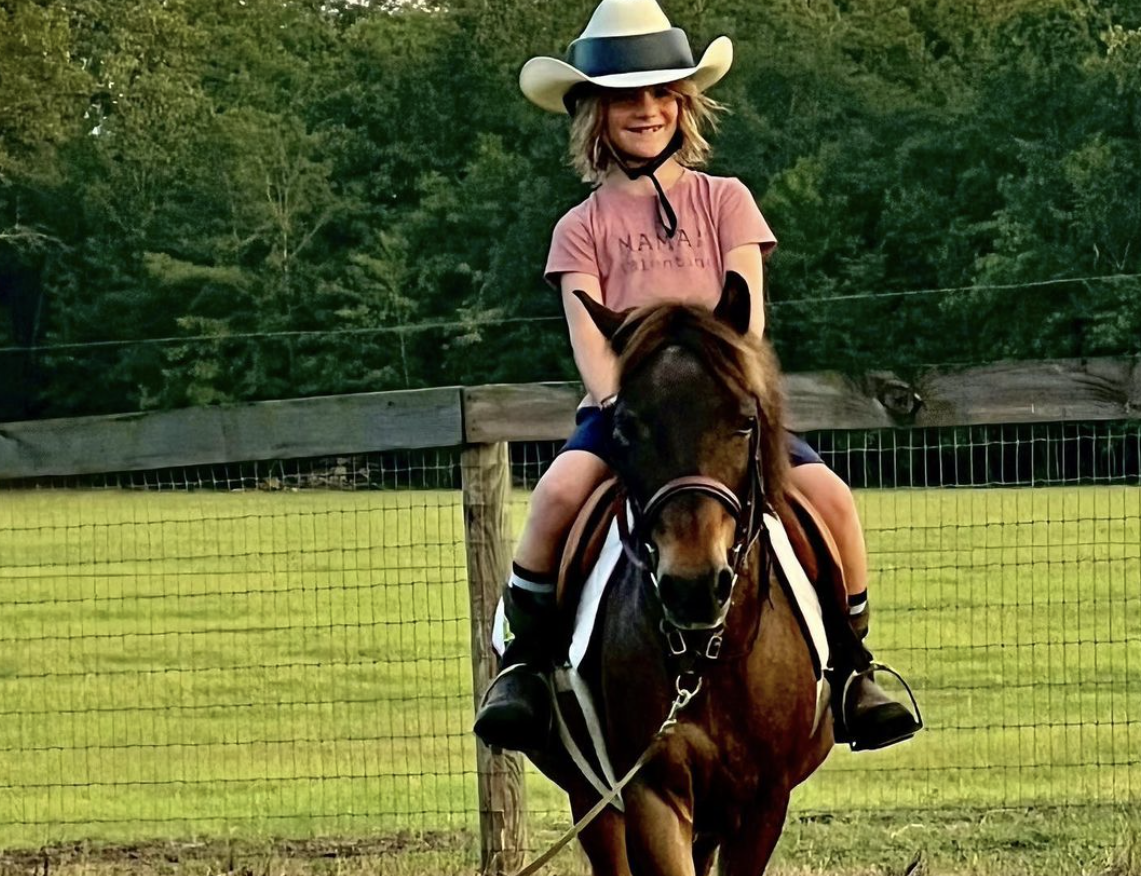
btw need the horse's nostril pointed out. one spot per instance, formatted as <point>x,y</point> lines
<point>695,602</point>
<point>724,585</point>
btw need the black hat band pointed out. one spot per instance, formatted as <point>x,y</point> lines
<point>608,56</point>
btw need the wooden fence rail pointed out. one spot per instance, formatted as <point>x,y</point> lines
<point>1019,392</point>
<point>482,420</point>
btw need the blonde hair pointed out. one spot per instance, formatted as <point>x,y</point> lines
<point>591,154</point>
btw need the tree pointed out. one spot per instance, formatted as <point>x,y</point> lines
<point>229,201</point>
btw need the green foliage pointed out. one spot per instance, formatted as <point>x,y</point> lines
<point>313,197</point>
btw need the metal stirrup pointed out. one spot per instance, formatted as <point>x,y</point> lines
<point>872,668</point>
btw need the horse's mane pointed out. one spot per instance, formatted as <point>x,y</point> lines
<point>743,362</point>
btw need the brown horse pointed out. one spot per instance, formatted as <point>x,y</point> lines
<point>700,448</point>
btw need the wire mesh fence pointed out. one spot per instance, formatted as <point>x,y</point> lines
<point>283,648</point>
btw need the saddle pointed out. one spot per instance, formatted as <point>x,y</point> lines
<point>811,541</point>
<point>584,542</point>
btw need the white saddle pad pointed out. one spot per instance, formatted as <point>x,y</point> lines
<point>586,615</point>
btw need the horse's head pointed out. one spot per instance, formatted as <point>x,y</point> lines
<point>697,441</point>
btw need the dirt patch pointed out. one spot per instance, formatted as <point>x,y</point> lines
<point>246,857</point>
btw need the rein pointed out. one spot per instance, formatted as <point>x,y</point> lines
<point>683,699</point>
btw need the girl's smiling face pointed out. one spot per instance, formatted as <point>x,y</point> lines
<point>640,122</point>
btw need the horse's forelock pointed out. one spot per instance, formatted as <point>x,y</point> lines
<point>737,360</point>
<point>743,363</point>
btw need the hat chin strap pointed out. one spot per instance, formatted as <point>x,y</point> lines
<point>650,168</point>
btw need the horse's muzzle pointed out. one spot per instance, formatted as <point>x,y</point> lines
<point>700,602</point>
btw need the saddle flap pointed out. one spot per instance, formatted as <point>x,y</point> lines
<point>814,547</point>
<point>584,543</point>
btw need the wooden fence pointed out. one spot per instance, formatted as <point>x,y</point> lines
<point>482,420</point>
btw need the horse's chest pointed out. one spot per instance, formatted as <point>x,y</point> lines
<point>734,744</point>
<point>719,774</point>
<point>748,732</point>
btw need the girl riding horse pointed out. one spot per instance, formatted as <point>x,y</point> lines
<point>654,229</point>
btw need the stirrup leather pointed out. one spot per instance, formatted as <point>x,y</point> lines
<point>871,669</point>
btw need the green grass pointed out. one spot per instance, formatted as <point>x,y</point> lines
<point>294,664</point>
<point>987,844</point>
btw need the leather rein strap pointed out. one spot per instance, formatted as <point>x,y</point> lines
<point>684,697</point>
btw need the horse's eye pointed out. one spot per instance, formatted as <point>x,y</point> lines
<point>746,429</point>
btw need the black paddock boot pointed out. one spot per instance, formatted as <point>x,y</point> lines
<point>516,710</point>
<point>866,717</point>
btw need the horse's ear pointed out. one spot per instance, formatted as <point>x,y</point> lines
<point>735,306</point>
<point>607,320</point>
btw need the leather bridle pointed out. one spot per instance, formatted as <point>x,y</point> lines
<point>748,516</point>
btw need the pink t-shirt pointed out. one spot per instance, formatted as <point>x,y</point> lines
<point>617,236</point>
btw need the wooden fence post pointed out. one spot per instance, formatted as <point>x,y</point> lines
<point>486,473</point>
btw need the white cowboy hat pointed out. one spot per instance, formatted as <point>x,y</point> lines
<point>627,44</point>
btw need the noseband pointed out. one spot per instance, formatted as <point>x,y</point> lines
<point>748,517</point>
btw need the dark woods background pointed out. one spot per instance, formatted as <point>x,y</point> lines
<point>205,201</point>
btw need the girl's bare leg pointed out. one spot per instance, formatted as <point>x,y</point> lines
<point>555,502</point>
<point>831,497</point>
